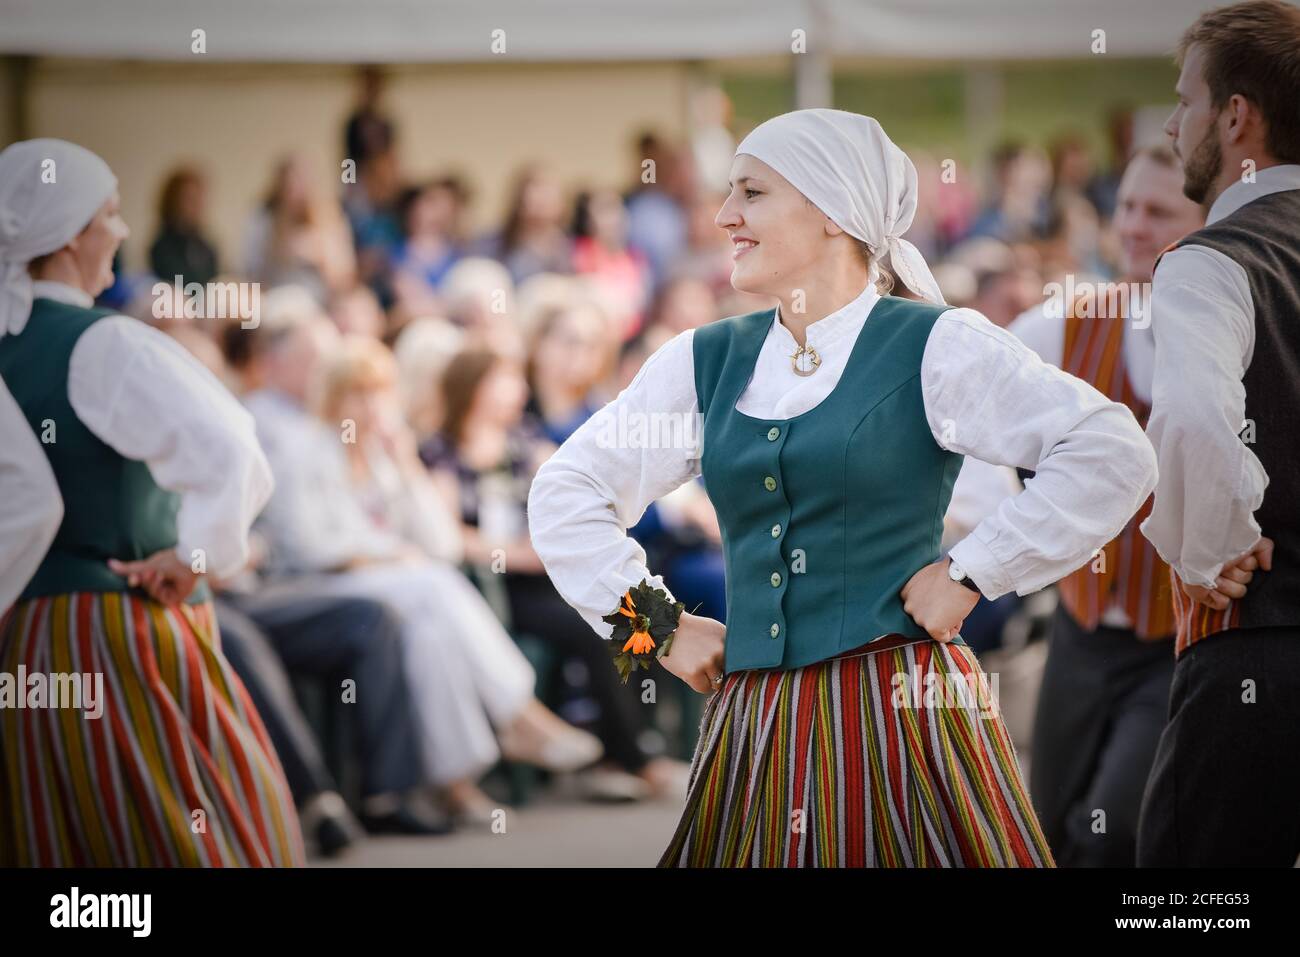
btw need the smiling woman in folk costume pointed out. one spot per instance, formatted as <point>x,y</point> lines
<point>833,428</point>
<point>159,469</point>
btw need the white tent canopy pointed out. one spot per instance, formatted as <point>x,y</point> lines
<point>423,31</point>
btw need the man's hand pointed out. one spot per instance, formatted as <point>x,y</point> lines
<point>936,602</point>
<point>166,578</point>
<point>1234,577</point>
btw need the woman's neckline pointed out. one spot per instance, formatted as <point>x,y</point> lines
<point>828,326</point>
<point>853,356</point>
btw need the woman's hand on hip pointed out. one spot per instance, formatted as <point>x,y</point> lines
<point>166,578</point>
<point>936,602</point>
<point>696,652</point>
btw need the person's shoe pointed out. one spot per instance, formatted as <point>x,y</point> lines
<point>565,749</point>
<point>334,835</point>
<point>408,818</point>
<point>326,819</point>
<point>666,778</point>
<point>611,785</point>
<point>472,808</point>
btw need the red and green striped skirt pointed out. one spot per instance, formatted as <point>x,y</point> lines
<point>895,756</point>
<point>177,770</point>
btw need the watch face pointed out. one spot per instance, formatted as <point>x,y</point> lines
<point>955,572</point>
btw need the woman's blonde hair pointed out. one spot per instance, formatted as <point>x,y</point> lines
<point>884,278</point>
<point>360,363</point>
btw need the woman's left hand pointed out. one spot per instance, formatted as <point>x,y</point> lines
<point>167,579</point>
<point>936,602</point>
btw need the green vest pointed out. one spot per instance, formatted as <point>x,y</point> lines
<point>112,508</point>
<point>826,515</point>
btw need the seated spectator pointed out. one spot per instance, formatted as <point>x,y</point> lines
<point>1019,209</point>
<point>600,252</point>
<point>473,689</point>
<point>483,460</point>
<point>422,350</point>
<point>181,248</point>
<point>479,296</point>
<point>299,237</point>
<point>657,205</point>
<point>429,247</point>
<point>533,239</point>
<point>683,303</point>
<point>356,312</point>
<point>572,352</point>
<point>299,627</point>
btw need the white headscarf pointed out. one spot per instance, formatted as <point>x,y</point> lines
<point>49,192</point>
<point>850,170</point>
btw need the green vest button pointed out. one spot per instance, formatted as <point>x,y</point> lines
<point>775,629</point>
<point>776,530</point>
<point>773,433</point>
<point>776,579</point>
<point>769,483</point>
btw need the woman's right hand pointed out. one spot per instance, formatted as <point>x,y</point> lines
<point>696,652</point>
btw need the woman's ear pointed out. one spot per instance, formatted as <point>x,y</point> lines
<point>832,228</point>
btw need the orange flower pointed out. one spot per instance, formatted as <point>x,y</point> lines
<point>627,597</point>
<point>640,643</point>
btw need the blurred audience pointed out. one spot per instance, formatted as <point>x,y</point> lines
<point>472,688</point>
<point>408,378</point>
<point>483,459</point>
<point>299,236</point>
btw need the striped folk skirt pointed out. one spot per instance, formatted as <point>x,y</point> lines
<point>177,769</point>
<point>851,762</point>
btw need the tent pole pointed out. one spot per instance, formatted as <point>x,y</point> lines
<point>813,68</point>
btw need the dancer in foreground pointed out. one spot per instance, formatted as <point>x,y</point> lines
<point>160,475</point>
<point>833,427</point>
<point>1105,690</point>
<point>1226,777</point>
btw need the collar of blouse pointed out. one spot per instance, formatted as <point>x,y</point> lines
<point>831,329</point>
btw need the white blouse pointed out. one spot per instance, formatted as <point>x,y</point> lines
<point>139,392</point>
<point>986,395</point>
<point>31,508</point>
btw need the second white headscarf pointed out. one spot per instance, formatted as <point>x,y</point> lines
<point>49,191</point>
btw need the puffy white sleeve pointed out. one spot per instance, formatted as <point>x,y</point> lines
<point>1211,483</point>
<point>142,394</point>
<point>30,505</point>
<point>990,396</point>
<point>643,444</point>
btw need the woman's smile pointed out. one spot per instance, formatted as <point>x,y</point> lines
<point>741,245</point>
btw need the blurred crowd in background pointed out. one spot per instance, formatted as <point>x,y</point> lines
<point>408,377</point>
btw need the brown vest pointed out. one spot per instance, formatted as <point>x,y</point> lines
<point>1128,571</point>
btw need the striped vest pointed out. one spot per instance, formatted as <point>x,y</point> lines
<point>1128,571</point>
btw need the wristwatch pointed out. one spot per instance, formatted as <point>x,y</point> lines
<point>958,574</point>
